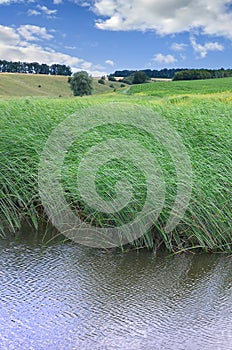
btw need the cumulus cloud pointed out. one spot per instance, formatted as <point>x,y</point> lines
<point>33,33</point>
<point>166,59</point>
<point>5,1</point>
<point>202,50</point>
<point>46,10</point>
<point>42,10</point>
<point>2,2</point>
<point>31,12</point>
<point>21,44</point>
<point>178,46</point>
<point>9,36</point>
<point>57,2</point>
<point>165,17</point>
<point>183,57</point>
<point>109,62</point>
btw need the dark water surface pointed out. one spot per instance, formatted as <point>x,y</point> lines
<point>65,296</point>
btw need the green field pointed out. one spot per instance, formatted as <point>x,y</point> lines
<point>168,89</point>
<point>14,84</point>
<point>204,123</point>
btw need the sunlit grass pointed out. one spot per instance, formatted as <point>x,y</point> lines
<point>205,127</point>
<point>175,88</point>
<point>18,84</point>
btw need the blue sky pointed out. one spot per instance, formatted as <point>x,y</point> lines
<point>102,36</point>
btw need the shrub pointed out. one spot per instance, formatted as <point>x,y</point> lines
<point>101,81</point>
<point>81,83</point>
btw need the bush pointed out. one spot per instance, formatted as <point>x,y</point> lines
<point>111,78</point>
<point>128,80</point>
<point>101,81</point>
<point>81,83</point>
<point>139,77</point>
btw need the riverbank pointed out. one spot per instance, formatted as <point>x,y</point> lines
<point>204,125</point>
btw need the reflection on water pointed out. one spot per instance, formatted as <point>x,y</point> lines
<point>70,297</point>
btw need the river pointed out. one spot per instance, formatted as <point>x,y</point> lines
<point>65,296</point>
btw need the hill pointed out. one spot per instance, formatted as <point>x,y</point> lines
<point>172,88</point>
<point>18,84</point>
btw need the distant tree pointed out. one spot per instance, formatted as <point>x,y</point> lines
<point>60,69</point>
<point>44,69</point>
<point>163,73</point>
<point>194,74</point>
<point>81,83</point>
<point>139,77</point>
<point>111,78</point>
<point>101,81</point>
<point>128,80</point>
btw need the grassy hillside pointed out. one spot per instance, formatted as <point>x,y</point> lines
<point>15,84</point>
<point>204,125</point>
<point>166,89</point>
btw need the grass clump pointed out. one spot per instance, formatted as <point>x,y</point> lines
<point>205,128</point>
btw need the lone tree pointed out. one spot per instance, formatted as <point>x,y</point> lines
<point>81,83</point>
<point>139,77</point>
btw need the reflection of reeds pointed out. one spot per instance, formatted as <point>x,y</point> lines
<point>205,128</point>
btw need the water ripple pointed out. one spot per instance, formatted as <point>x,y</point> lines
<point>69,297</point>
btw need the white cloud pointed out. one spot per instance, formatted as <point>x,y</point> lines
<point>183,57</point>
<point>46,10</point>
<point>203,49</point>
<point>31,12</point>
<point>94,71</point>
<point>13,1</point>
<point>57,2</point>
<point>165,17</point>
<point>43,10</point>
<point>83,3</point>
<point>110,62</point>
<point>70,47</point>
<point>178,46</point>
<point>166,59</point>
<point>5,1</point>
<point>33,33</point>
<point>9,36</point>
<point>16,44</point>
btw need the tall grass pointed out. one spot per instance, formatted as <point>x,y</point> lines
<point>205,128</point>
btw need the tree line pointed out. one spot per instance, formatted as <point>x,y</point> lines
<point>176,73</point>
<point>163,73</point>
<point>194,74</point>
<point>138,77</point>
<point>34,68</point>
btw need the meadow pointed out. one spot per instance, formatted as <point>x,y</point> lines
<point>200,111</point>
<point>18,84</point>
<point>167,89</point>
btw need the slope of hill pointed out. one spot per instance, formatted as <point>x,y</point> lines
<point>18,84</point>
<point>162,89</point>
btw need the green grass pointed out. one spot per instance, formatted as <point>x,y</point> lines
<point>12,85</point>
<point>205,126</point>
<point>172,88</point>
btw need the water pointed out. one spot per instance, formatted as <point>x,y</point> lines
<point>65,296</point>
